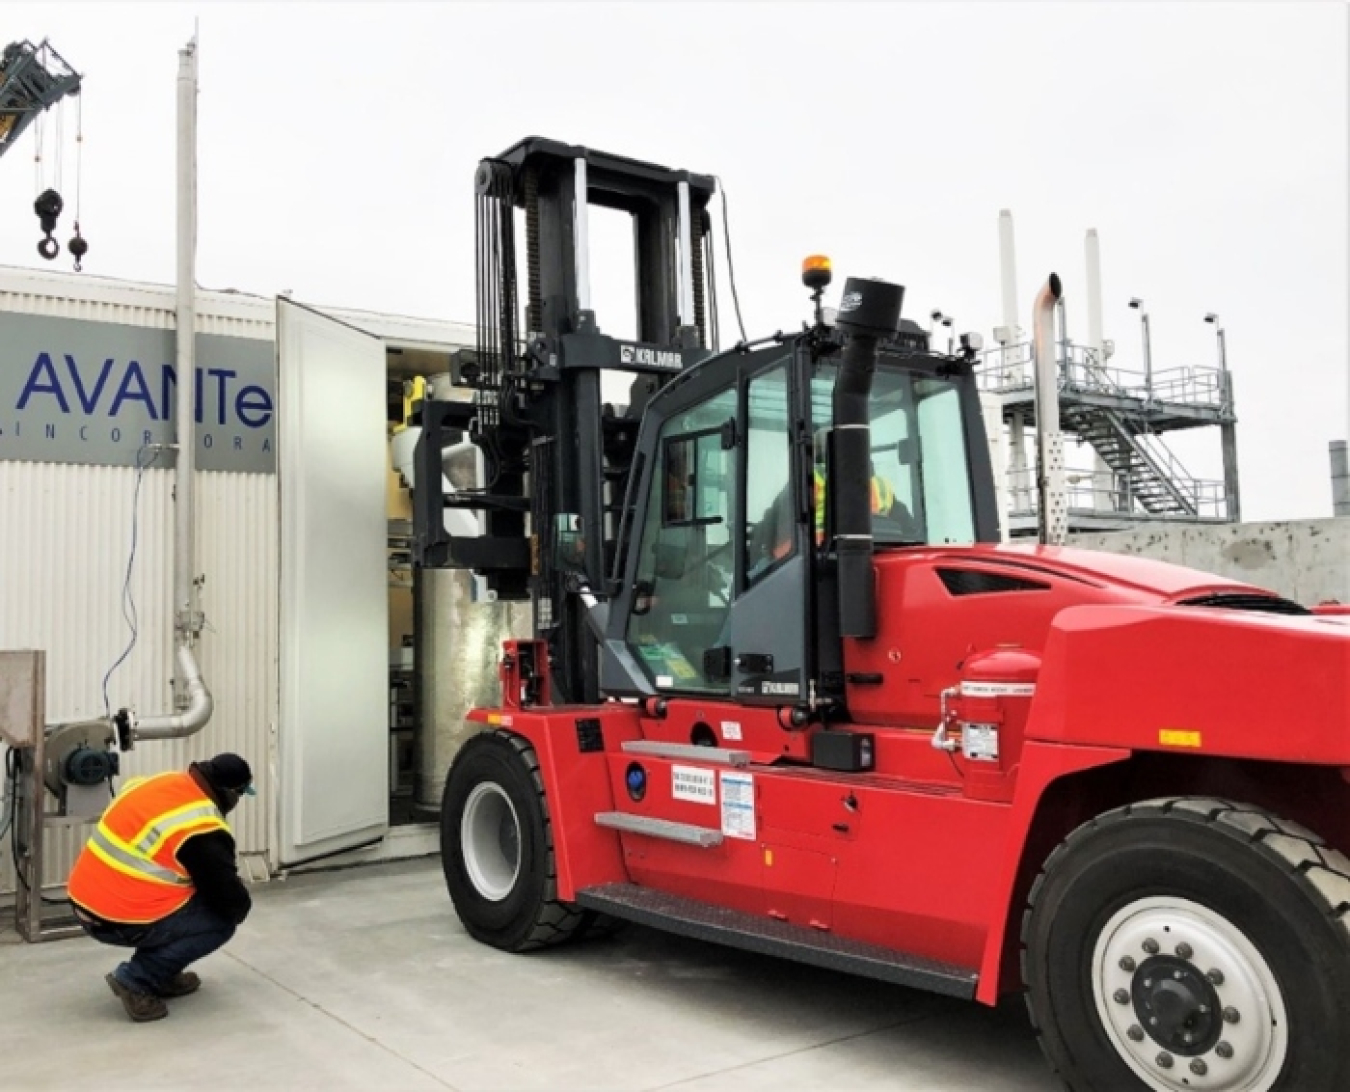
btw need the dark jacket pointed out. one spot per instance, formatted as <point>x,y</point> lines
<point>209,860</point>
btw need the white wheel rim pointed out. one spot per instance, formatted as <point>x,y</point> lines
<point>1156,939</point>
<point>489,837</point>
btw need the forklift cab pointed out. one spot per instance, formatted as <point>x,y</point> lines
<point>726,582</point>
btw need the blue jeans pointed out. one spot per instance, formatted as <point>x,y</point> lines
<point>164,947</point>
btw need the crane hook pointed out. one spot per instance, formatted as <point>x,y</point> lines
<point>48,207</point>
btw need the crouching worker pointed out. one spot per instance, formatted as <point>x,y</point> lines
<point>158,875</point>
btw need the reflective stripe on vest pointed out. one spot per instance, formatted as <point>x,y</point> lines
<point>115,855</point>
<point>170,823</point>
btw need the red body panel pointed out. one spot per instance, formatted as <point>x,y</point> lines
<point>1218,682</point>
<point>1077,662</point>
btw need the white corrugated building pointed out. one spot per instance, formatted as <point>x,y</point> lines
<point>291,546</point>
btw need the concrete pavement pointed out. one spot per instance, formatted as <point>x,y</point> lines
<point>365,979</point>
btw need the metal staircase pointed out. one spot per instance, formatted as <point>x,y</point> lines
<point>1121,416</point>
<point>1145,471</point>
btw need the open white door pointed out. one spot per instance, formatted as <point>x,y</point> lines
<point>333,737</point>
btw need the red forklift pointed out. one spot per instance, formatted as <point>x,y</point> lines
<point>790,693</point>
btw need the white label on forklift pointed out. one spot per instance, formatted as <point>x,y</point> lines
<point>980,742</point>
<point>731,729</point>
<point>665,680</point>
<point>738,805</point>
<point>691,783</point>
<point>997,689</point>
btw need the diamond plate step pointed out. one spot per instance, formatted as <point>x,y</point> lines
<point>691,918</point>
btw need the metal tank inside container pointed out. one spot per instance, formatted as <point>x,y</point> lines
<point>459,629</point>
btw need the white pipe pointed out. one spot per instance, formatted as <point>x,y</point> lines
<point>193,699</point>
<point>184,597</point>
<point>1052,514</point>
<point>1094,296</point>
<point>581,234</point>
<point>686,258</point>
<point>191,719</point>
<point>1007,264</point>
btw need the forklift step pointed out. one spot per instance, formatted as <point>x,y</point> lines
<point>689,752</point>
<point>659,828</point>
<point>701,921</point>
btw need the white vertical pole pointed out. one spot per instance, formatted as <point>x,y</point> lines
<point>186,357</point>
<point>581,235</point>
<point>686,257</point>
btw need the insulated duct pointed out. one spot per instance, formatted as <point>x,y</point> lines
<point>869,312</point>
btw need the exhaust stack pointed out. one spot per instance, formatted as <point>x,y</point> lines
<point>869,313</point>
<point>1052,509</point>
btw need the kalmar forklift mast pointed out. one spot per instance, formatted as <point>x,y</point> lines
<point>557,456</point>
<point>807,705</point>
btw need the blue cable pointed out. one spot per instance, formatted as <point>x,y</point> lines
<point>129,614</point>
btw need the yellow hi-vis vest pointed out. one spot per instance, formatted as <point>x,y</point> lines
<point>128,871</point>
<point>883,499</point>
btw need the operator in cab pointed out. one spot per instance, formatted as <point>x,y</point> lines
<point>158,875</point>
<point>772,536</point>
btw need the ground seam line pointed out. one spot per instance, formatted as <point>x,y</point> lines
<point>338,1019</point>
<point>792,1053</point>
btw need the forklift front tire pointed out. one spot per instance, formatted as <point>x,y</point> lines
<point>1185,944</point>
<point>497,847</point>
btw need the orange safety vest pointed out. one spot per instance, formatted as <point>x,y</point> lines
<point>129,870</point>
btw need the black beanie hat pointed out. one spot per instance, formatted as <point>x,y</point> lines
<point>229,771</point>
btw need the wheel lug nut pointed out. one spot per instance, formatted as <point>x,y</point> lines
<point>1151,946</point>
<point>1153,1021</point>
<point>1148,983</point>
<point>1165,1060</point>
<point>1203,1010</point>
<point>1136,1033</point>
<point>1215,976</point>
<point>1122,997</point>
<point>1224,1049</point>
<point>1184,950</point>
<point>1198,1067</point>
<point>1231,1015</point>
<point>1126,964</point>
<point>1176,974</point>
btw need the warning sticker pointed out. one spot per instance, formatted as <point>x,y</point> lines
<point>731,729</point>
<point>738,805</point>
<point>691,783</point>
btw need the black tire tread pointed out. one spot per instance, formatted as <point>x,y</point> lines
<point>555,921</point>
<point>1323,871</point>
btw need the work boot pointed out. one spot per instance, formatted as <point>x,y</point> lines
<point>180,985</point>
<point>141,1007</point>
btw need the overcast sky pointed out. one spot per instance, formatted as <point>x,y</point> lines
<point>1207,143</point>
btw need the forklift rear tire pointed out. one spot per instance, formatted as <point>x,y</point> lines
<point>1186,944</point>
<point>497,847</point>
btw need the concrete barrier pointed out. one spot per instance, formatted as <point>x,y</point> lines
<point>1304,560</point>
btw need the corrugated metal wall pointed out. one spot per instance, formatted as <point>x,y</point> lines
<point>65,537</point>
<point>65,540</point>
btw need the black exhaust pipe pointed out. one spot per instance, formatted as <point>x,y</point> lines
<point>869,313</point>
